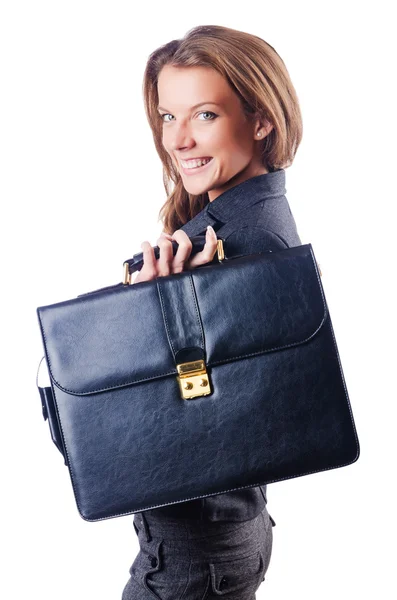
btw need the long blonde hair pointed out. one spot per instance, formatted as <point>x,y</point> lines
<point>258,76</point>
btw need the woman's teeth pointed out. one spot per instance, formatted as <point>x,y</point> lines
<point>193,164</point>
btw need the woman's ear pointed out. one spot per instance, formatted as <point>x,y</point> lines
<point>262,128</point>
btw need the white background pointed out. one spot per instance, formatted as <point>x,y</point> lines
<point>81,188</point>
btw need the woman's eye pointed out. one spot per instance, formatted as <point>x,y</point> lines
<point>208,112</point>
<point>205,112</point>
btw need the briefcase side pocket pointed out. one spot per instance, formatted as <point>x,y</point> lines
<point>49,412</point>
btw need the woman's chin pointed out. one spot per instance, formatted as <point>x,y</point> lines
<point>197,185</point>
<point>196,189</point>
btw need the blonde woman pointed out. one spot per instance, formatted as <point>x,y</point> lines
<point>226,124</point>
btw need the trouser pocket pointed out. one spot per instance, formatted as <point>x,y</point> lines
<point>238,577</point>
<point>147,562</point>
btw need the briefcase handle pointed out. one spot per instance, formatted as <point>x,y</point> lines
<point>198,241</point>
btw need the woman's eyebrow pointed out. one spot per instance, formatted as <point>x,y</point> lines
<point>193,107</point>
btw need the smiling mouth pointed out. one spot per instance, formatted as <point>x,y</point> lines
<point>194,166</point>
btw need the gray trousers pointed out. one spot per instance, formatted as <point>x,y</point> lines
<point>190,560</point>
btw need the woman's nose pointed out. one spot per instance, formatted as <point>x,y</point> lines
<point>181,137</point>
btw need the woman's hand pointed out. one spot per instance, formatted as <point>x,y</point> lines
<point>167,264</point>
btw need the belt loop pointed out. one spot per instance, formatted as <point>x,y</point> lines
<point>146,528</point>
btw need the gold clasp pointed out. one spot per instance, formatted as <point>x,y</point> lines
<point>193,379</point>
<point>127,274</point>
<point>219,248</point>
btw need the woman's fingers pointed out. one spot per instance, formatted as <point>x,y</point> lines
<point>149,268</point>
<point>183,252</point>
<point>208,252</point>
<point>167,263</point>
<point>165,260</point>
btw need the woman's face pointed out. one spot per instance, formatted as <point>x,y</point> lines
<point>217,129</point>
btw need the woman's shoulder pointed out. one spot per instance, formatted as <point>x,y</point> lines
<point>270,226</point>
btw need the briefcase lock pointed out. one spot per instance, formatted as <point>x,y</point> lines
<point>193,379</point>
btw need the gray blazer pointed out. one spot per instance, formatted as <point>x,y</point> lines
<point>253,216</point>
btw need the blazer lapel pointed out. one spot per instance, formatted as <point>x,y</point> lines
<point>198,224</point>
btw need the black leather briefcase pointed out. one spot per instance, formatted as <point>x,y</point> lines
<point>215,379</point>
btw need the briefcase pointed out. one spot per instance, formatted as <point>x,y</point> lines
<point>215,379</point>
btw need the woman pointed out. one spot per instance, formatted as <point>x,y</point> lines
<point>226,122</point>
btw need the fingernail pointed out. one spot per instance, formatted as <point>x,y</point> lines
<point>211,230</point>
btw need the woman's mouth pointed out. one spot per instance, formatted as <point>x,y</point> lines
<point>191,167</point>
